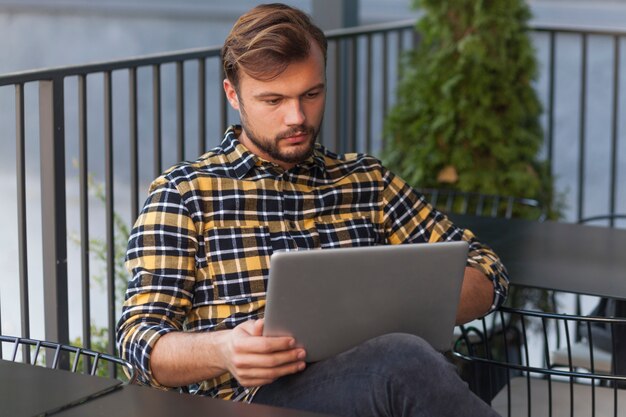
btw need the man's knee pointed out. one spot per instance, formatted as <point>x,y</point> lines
<point>400,353</point>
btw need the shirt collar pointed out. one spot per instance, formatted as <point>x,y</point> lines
<point>239,157</point>
<point>242,160</point>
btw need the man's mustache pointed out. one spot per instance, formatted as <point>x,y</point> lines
<point>295,131</point>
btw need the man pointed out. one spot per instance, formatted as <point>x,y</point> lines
<point>199,251</point>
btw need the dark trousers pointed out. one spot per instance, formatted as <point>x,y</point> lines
<point>391,375</point>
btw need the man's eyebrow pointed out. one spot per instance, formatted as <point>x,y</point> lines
<point>266,94</point>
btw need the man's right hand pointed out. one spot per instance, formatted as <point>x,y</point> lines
<point>183,358</point>
<point>255,360</point>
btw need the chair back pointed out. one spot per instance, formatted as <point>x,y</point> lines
<point>60,356</point>
<point>478,204</point>
<point>602,220</point>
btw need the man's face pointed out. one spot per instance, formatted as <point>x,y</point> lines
<point>281,118</point>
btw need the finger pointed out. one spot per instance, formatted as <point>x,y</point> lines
<point>263,376</point>
<point>261,344</point>
<point>275,360</point>
<point>258,327</point>
<point>252,327</point>
<point>246,327</point>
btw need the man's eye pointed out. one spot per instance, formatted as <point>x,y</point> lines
<point>272,102</point>
<point>312,94</point>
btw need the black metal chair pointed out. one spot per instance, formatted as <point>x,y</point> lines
<point>551,361</point>
<point>478,204</point>
<point>59,356</point>
<point>602,220</point>
<point>535,387</point>
<point>600,339</point>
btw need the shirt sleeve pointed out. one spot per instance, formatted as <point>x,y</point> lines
<point>408,218</point>
<point>161,261</point>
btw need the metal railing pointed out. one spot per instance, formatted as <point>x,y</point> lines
<point>359,59</point>
<point>600,65</point>
<point>124,121</point>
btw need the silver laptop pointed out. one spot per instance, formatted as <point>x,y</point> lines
<point>334,299</point>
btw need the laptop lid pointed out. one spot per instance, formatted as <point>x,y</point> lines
<point>334,299</point>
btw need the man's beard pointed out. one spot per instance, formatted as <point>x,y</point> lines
<point>270,146</point>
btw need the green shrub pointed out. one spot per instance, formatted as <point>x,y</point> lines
<point>467,116</point>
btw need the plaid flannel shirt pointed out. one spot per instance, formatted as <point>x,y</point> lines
<point>199,252</point>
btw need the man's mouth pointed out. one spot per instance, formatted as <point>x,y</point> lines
<point>297,137</point>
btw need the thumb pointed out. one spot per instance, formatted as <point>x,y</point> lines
<point>257,328</point>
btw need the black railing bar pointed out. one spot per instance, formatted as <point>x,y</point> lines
<point>123,64</point>
<point>201,106</point>
<point>83,183</point>
<point>614,359</point>
<point>385,76</point>
<point>546,347</point>
<point>576,29</point>
<point>593,370</point>
<point>180,111</point>
<point>156,120</point>
<point>134,142</point>
<point>614,128</point>
<point>582,126</point>
<point>546,353</point>
<point>506,358</point>
<point>570,366</point>
<point>339,110</point>
<point>368,97</point>
<point>353,86</point>
<point>551,83</point>
<point>109,213</point>
<point>486,339</point>
<point>526,357</point>
<point>553,297</point>
<point>54,210</point>
<point>335,34</point>
<point>20,137</point>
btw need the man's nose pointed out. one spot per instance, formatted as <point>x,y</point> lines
<point>294,113</point>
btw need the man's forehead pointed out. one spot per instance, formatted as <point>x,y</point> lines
<point>297,78</point>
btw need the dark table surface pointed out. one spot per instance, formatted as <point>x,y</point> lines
<point>564,256</point>
<point>136,401</point>
<point>27,390</point>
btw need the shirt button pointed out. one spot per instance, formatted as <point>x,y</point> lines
<point>292,224</point>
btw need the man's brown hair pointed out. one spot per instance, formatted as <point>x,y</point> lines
<point>264,41</point>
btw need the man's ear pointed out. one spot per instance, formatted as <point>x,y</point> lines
<point>231,94</point>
